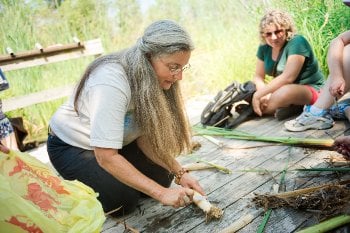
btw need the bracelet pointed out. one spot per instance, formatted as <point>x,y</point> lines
<point>179,175</point>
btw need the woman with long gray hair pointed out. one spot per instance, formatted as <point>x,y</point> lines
<point>124,125</point>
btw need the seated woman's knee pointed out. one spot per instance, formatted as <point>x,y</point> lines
<point>282,95</point>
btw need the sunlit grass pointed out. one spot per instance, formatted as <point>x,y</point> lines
<point>225,34</point>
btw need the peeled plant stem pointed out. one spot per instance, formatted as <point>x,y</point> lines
<point>235,134</point>
<point>241,222</point>
<point>210,210</point>
<point>112,211</point>
<point>220,168</point>
<point>328,225</point>
<point>197,166</point>
<point>337,161</point>
<point>205,165</point>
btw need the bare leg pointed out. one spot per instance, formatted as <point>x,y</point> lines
<point>287,95</point>
<point>325,99</point>
<point>346,66</point>
<point>10,142</point>
<point>346,73</point>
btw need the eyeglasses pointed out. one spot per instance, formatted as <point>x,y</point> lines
<point>176,68</point>
<point>277,33</point>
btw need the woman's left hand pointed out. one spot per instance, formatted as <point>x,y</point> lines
<point>188,181</point>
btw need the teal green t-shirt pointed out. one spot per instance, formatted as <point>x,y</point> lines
<point>310,73</point>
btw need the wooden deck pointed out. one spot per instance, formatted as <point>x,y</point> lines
<point>234,192</point>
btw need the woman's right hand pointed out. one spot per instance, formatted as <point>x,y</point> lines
<point>177,197</point>
<point>256,104</point>
<point>260,103</point>
<point>264,102</point>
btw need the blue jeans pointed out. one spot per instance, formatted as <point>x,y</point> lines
<point>77,163</point>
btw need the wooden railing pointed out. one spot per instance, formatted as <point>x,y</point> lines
<point>42,56</point>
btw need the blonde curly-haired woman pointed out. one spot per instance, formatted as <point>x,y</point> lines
<point>289,59</point>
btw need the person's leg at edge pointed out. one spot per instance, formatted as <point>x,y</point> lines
<point>8,137</point>
<point>10,141</point>
<point>326,100</point>
<point>76,163</point>
<point>323,102</point>
<point>346,73</point>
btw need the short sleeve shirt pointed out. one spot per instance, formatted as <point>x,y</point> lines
<point>106,112</point>
<point>310,73</point>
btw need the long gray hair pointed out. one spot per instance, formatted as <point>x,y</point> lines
<point>159,113</point>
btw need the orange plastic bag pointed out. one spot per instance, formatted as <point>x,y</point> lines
<point>34,199</point>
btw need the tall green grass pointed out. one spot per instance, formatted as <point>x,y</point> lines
<point>319,21</point>
<point>225,34</point>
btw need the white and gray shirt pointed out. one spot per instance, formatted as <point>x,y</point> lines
<point>106,116</point>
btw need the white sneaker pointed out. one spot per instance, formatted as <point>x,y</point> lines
<point>308,121</point>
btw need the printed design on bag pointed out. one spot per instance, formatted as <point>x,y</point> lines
<point>31,205</point>
<point>52,181</point>
<point>26,224</point>
<point>40,198</point>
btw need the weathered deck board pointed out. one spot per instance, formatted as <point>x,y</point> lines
<point>233,192</point>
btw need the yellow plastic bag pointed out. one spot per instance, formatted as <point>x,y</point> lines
<point>34,199</point>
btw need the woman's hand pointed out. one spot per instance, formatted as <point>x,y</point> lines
<point>342,146</point>
<point>260,102</point>
<point>181,196</point>
<point>177,197</point>
<point>188,181</point>
<point>256,104</point>
<point>4,149</point>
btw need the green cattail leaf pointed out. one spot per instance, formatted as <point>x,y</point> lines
<point>325,169</point>
<point>240,135</point>
<point>328,225</point>
<point>264,222</point>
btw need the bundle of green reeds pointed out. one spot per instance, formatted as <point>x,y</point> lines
<point>328,225</point>
<point>236,134</point>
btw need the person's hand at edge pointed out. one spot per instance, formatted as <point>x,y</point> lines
<point>342,146</point>
<point>4,149</point>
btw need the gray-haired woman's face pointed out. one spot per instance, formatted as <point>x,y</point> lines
<point>169,68</point>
